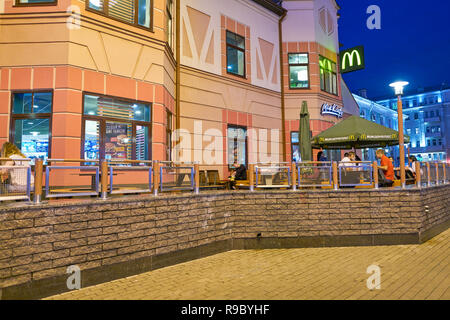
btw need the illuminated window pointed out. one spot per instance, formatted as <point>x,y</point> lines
<point>34,2</point>
<point>116,129</point>
<point>235,54</point>
<point>237,145</point>
<point>295,147</point>
<point>31,123</point>
<point>298,70</point>
<point>169,137</point>
<point>328,76</point>
<point>135,12</point>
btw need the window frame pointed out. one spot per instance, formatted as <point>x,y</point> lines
<point>246,143</point>
<point>293,144</point>
<point>104,13</point>
<point>244,76</point>
<point>23,116</point>
<point>299,65</point>
<point>38,4</point>
<point>103,119</point>
<point>169,13</point>
<point>332,73</point>
<point>169,132</point>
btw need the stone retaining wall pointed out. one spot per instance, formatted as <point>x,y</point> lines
<point>124,236</point>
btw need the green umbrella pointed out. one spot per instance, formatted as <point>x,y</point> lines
<point>304,134</point>
<point>356,132</point>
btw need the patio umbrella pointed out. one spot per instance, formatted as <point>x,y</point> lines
<point>304,134</point>
<point>356,132</point>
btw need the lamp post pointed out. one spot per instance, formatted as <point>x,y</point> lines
<point>398,86</point>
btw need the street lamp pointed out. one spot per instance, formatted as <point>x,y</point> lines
<point>398,86</point>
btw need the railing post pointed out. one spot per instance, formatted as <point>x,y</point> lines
<point>38,172</point>
<point>335,175</point>
<point>294,176</point>
<point>437,173</point>
<point>197,178</point>
<point>251,178</point>
<point>444,170</point>
<point>428,174</point>
<point>104,182</point>
<point>155,177</point>
<point>418,175</point>
<point>375,175</point>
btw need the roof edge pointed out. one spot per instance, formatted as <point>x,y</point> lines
<point>269,5</point>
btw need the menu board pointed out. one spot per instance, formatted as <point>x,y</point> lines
<point>118,140</point>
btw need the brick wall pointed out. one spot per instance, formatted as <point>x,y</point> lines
<point>137,234</point>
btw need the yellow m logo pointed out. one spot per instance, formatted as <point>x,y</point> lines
<point>351,137</point>
<point>350,57</point>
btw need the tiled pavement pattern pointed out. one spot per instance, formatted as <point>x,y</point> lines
<point>407,272</point>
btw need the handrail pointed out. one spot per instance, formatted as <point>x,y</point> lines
<point>71,160</point>
<point>18,159</point>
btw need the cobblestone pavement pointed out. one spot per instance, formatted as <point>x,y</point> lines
<point>407,272</point>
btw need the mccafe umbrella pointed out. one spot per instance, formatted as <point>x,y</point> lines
<point>356,132</point>
<point>304,134</point>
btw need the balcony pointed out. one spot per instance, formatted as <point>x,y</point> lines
<point>433,119</point>
<point>433,134</point>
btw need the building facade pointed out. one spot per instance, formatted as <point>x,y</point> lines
<point>382,115</point>
<point>427,122</point>
<point>114,79</point>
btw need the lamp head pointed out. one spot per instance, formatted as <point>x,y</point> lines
<point>398,86</point>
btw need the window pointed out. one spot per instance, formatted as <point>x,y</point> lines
<point>235,54</point>
<point>34,2</point>
<point>298,70</point>
<point>115,129</point>
<point>434,142</point>
<point>428,143</point>
<point>408,131</point>
<point>328,76</point>
<point>417,131</point>
<point>169,137</point>
<point>362,114</point>
<point>237,145</point>
<point>169,23</point>
<point>295,147</point>
<point>416,116</point>
<point>437,113</point>
<point>440,142</point>
<point>31,123</point>
<point>431,114</point>
<point>374,117</point>
<point>135,12</point>
<point>415,103</point>
<point>433,130</point>
<point>428,129</point>
<point>426,114</point>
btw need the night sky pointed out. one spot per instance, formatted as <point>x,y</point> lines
<point>413,44</point>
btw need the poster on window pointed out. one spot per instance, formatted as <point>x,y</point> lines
<point>118,141</point>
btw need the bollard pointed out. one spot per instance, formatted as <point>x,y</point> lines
<point>155,177</point>
<point>251,178</point>
<point>104,182</point>
<point>335,176</point>
<point>197,178</point>
<point>428,174</point>
<point>375,175</point>
<point>294,176</point>
<point>437,173</point>
<point>418,175</point>
<point>38,172</point>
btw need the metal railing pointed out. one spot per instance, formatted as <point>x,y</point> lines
<point>113,177</point>
<point>176,177</point>
<point>277,176</point>
<point>315,174</point>
<point>355,174</point>
<point>15,179</point>
<point>63,189</point>
<point>139,183</point>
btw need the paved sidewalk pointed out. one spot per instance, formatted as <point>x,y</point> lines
<point>407,272</point>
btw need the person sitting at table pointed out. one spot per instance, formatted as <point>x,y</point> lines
<point>345,162</point>
<point>387,168</point>
<point>17,177</point>
<point>239,173</point>
<point>412,167</point>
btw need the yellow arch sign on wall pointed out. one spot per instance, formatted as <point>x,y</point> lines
<point>352,59</point>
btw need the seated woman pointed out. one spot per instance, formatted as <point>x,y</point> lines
<point>240,173</point>
<point>17,176</point>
